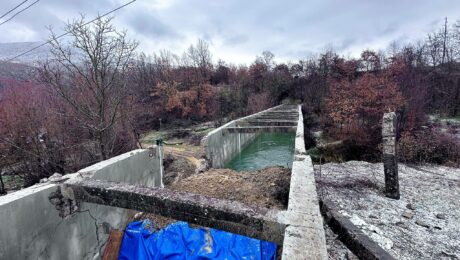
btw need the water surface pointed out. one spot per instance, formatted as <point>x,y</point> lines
<point>268,149</point>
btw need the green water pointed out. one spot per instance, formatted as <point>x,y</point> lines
<point>268,149</point>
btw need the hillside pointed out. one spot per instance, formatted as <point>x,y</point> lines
<point>10,50</point>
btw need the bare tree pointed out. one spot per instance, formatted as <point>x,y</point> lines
<point>88,74</point>
<point>201,57</point>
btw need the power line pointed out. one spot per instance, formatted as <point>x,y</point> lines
<point>64,34</point>
<point>1,17</point>
<point>19,12</point>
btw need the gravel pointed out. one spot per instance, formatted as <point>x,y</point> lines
<point>430,193</point>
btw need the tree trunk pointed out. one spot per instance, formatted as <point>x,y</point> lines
<point>102,146</point>
<point>2,185</point>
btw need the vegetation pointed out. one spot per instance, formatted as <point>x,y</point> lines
<point>95,97</point>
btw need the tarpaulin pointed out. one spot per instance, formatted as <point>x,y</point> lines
<point>180,241</point>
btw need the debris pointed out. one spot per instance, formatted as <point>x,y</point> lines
<point>422,223</point>
<point>441,216</point>
<point>55,177</point>
<point>268,187</point>
<point>430,189</point>
<point>408,214</point>
<point>410,206</point>
<point>202,166</point>
<point>138,215</point>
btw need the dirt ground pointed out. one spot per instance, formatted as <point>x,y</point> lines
<point>268,187</point>
<point>423,224</point>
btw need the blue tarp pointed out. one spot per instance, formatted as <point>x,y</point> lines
<point>179,241</point>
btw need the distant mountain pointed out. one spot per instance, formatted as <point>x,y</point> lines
<point>12,49</point>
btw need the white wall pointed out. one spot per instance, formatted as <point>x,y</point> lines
<point>30,227</point>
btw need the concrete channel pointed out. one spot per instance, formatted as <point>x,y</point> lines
<point>31,227</point>
<point>304,236</point>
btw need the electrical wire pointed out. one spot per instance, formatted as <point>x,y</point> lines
<point>29,6</point>
<point>5,14</point>
<point>64,34</point>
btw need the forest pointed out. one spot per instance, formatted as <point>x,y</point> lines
<point>96,96</point>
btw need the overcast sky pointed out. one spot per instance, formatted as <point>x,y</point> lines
<point>238,30</point>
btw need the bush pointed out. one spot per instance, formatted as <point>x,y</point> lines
<point>429,146</point>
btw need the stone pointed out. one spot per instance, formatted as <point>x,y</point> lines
<point>410,206</point>
<point>202,166</point>
<point>441,216</point>
<point>55,177</point>
<point>399,223</point>
<point>422,223</point>
<point>138,215</point>
<point>373,216</point>
<point>408,214</point>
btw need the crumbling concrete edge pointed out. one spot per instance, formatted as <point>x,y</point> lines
<point>358,242</point>
<point>304,237</point>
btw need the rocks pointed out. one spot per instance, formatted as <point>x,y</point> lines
<point>441,216</point>
<point>422,223</point>
<point>408,214</point>
<point>410,206</point>
<point>202,166</point>
<point>55,177</point>
<point>427,188</point>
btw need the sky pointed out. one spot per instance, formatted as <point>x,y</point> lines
<point>239,30</point>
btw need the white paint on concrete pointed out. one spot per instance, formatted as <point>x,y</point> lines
<point>30,227</point>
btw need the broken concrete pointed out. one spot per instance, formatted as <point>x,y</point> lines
<point>231,216</point>
<point>31,228</point>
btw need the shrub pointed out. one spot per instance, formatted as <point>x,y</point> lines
<point>429,146</point>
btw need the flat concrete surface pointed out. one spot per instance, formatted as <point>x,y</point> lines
<point>305,237</point>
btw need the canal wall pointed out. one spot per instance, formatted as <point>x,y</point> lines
<point>31,228</point>
<point>221,146</point>
<point>304,236</point>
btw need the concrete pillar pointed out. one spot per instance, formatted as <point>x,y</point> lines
<point>390,164</point>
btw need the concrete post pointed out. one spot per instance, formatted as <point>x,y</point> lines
<point>390,164</point>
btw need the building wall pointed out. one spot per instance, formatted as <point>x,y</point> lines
<point>30,227</point>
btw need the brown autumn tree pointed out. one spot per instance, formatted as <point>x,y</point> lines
<point>198,102</point>
<point>356,107</point>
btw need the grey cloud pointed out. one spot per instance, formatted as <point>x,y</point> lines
<point>239,28</point>
<point>236,39</point>
<point>147,24</point>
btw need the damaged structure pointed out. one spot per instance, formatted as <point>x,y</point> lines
<point>99,198</point>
